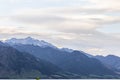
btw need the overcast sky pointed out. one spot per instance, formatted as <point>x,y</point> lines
<point>89,25</point>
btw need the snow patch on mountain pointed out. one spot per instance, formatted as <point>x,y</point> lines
<point>30,41</point>
<point>67,50</point>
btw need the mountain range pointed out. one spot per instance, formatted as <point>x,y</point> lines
<point>111,61</point>
<point>16,64</point>
<point>31,58</point>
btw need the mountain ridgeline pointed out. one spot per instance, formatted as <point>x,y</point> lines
<point>110,61</point>
<point>16,64</point>
<point>75,62</point>
<point>31,58</point>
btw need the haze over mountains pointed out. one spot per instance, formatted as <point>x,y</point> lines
<point>31,58</point>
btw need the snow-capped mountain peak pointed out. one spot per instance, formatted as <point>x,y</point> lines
<point>67,50</point>
<point>30,41</point>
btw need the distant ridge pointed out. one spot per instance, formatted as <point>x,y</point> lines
<point>111,61</point>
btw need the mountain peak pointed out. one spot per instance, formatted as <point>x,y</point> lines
<point>29,41</point>
<point>111,56</point>
<point>67,50</point>
<point>3,44</point>
<point>29,38</point>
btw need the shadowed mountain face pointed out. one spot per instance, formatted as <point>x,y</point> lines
<point>71,61</point>
<point>75,62</point>
<point>111,61</point>
<point>15,64</point>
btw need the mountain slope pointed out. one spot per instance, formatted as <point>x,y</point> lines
<point>110,61</point>
<point>75,62</point>
<point>15,64</point>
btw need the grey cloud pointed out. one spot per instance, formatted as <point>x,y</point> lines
<point>41,19</point>
<point>58,20</point>
<point>72,27</point>
<point>86,35</point>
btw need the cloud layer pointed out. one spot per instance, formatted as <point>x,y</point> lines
<point>75,24</point>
